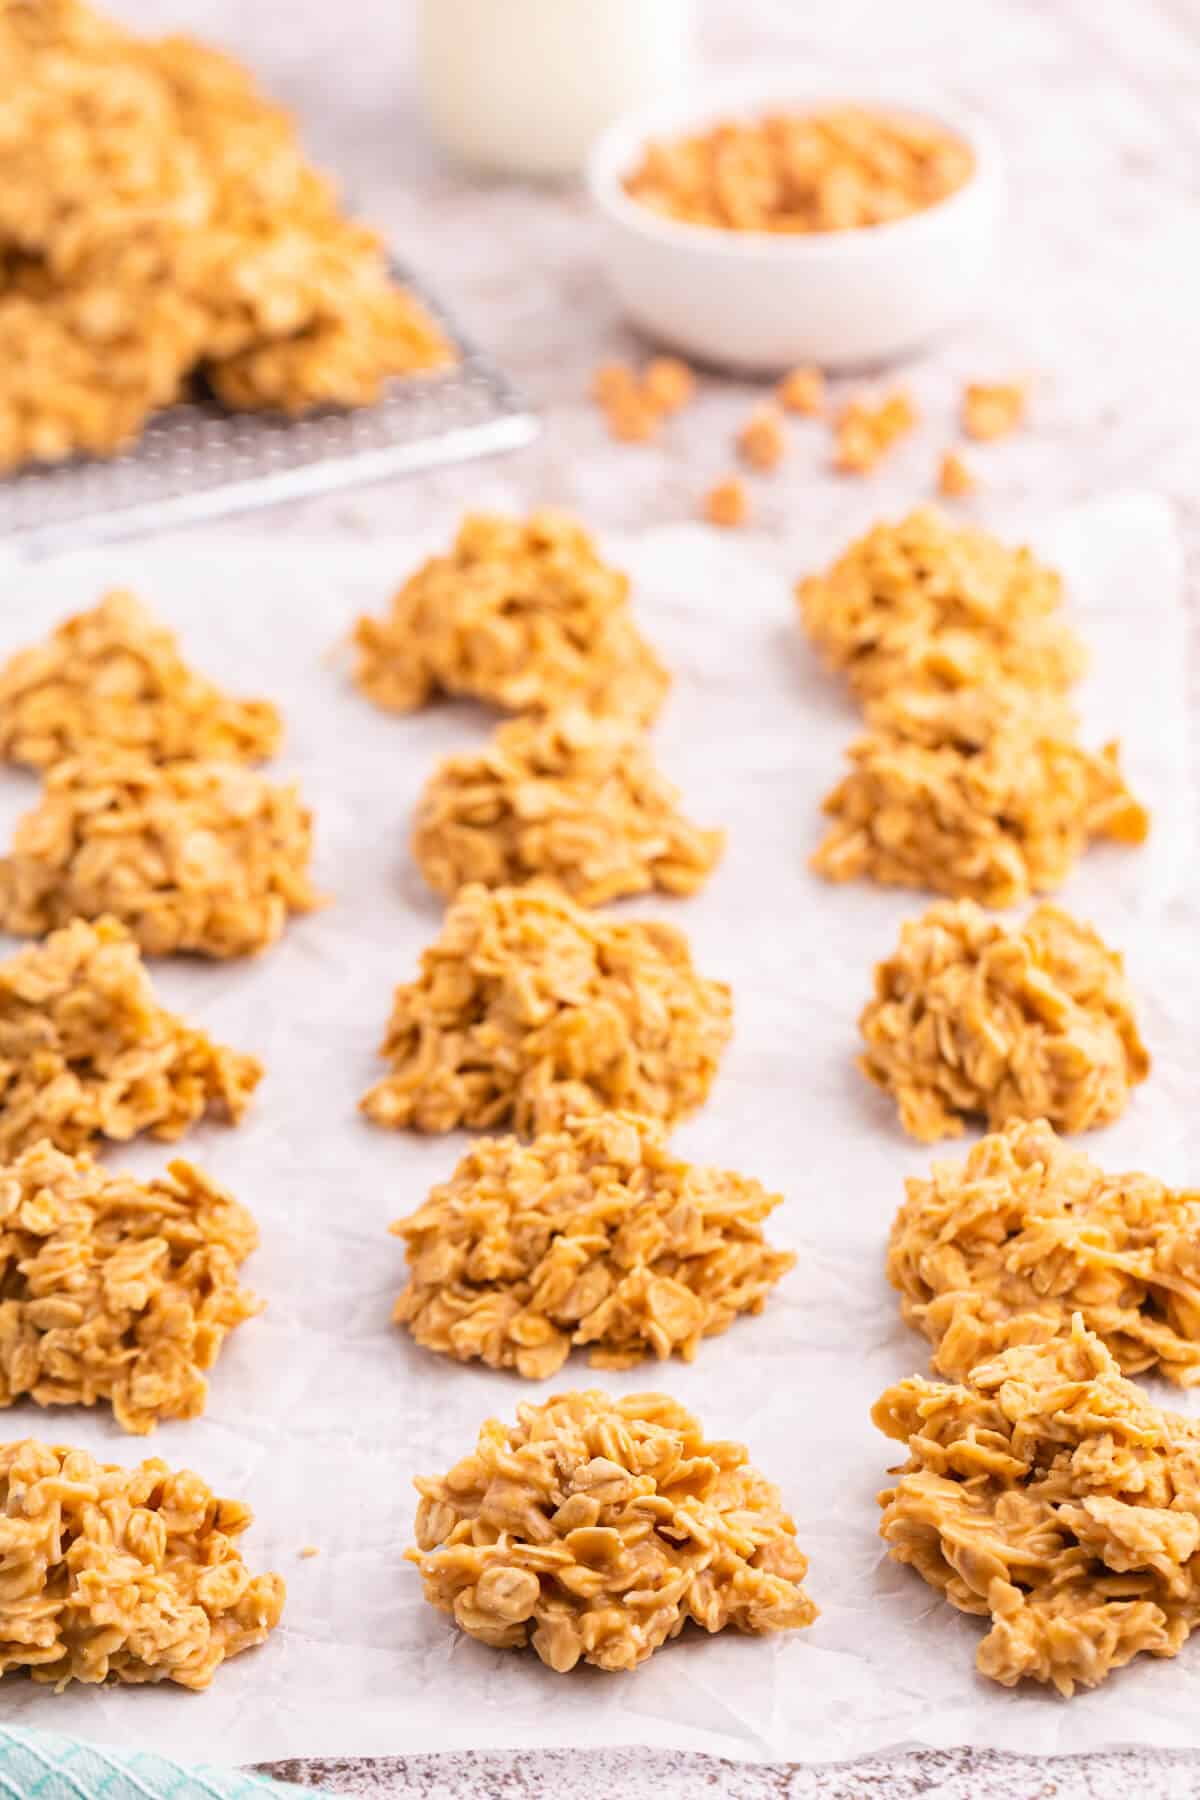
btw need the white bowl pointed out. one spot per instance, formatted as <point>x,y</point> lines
<point>766,301</point>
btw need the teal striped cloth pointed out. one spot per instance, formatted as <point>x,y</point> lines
<point>44,1765</point>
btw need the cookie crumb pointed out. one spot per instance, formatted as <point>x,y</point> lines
<point>728,503</point>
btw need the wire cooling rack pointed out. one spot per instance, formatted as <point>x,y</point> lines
<point>197,461</point>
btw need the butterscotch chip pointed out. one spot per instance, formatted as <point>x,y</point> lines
<point>612,383</point>
<point>863,434</point>
<point>838,168</point>
<point>1004,1248</point>
<point>974,1018</point>
<point>592,1235</point>
<point>802,391</point>
<point>1049,1494</point>
<point>129,1575</point>
<point>955,479</point>
<point>728,503</point>
<point>595,1528</point>
<point>632,419</point>
<point>976,794</point>
<point>86,1051</point>
<point>529,1008</point>
<point>668,384</point>
<point>521,614</point>
<point>928,602</point>
<point>194,856</point>
<point>992,409</point>
<point>115,1289</point>
<point>113,677</point>
<point>569,799</point>
<point>762,441</point>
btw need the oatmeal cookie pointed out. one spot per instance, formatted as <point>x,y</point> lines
<point>193,856</point>
<point>569,799</point>
<point>1004,1248</point>
<point>1051,1495</point>
<point>132,1575</point>
<point>591,1235</point>
<point>528,1009</point>
<point>974,1018</point>
<point>928,602</point>
<point>521,614</point>
<point>87,1052</point>
<point>113,678</point>
<point>976,794</point>
<point>115,1289</point>
<point>595,1528</point>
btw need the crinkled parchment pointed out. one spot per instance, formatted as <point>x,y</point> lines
<point>322,1411</point>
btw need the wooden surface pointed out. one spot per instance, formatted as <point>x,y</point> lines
<point>1095,297</point>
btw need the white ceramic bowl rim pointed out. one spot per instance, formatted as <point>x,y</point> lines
<point>614,152</point>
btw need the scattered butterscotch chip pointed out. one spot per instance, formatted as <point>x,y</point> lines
<point>762,441</point>
<point>595,1528</point>
<point>992,409</point>
<point>194,856</point>
<point>1049,1493</point>
<point>113,678</point>
<point>115,1289</point>
<point>528,1009</point>
<point>129,1575</point>
<point>928,602</point>
<point>802,391</point>
<point>86,1051</point>
<point>611,382</point>
<point>972,1018</point>
<point>522,614</point>
<point>593,1235</point>
<point>632,419</point>
<point>160,222</point>
<point>979,794</point>
<point>727,503</point>
<point>570,799</point>
<point>863,434</point>
<point>839,168</point>
<point>1002,1249</point>
<point>955,479</point>
<point>668,384</point>
<point>308,1551</point>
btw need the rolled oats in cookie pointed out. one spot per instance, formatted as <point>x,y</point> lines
<point>595,1528</point>
<point>979,794</point>
<point>972,1018</point>
<point>593,1234</point>
<point>528,1009</point>
<point>1004,1248</point>
<point>123,1575</point>
<point>87,1052</point>
<point>933,603</point>
<point>569,799</point>
<point>1050,1495</point>
<point>197,856</point>
<point>522,614</point>
<point>113,678</point>
<point>114,1289</point>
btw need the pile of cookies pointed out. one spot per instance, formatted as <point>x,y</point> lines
<point>161,228</point>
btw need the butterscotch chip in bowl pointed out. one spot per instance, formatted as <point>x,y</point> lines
<point>1004,1248</point>
<point>114,1289</point>
<point>570,799</point>
<point>87,1052</point>
<point>979,794</point>
<point>971,1018</point>
<point>522,614</point>
<point>593,1235</point>
<point>1049,1494</point>
<point>595,1528</point>
<point>528,1009</point>
<point>197,856</point>
<point>129,1575</point>
<point>940,604</point>
<point>113,677</point>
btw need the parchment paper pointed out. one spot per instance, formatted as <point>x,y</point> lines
<point>322,1411</point>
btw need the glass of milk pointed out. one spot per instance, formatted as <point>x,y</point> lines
<point>522,87</point>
